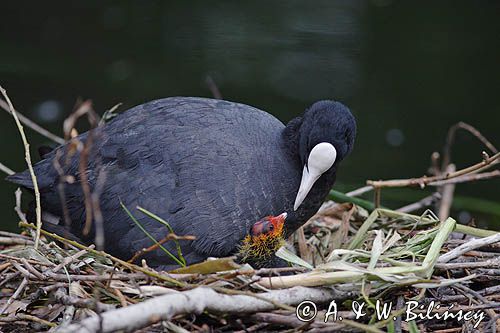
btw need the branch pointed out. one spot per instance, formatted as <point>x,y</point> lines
<point>6,169</point>
<point>447,196</point>
<point>422,203</point>
<point>467,178</point>
<point>423,181</point>
<point>451,138</point>
<point>197,300</point>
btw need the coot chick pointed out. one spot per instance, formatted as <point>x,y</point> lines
<point>210,168</point>
<point>262,242</point>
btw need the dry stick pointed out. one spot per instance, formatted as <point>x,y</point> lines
<point>423,181</point>
<point>467,178</point>
<point>288,320</point>
<point>100,277</point>
<point>6,169</point>
<point>447,196</point>
<point>34,126</point>
<point>469,264</point>
<point>15,241</point>
<point>156,245</point>
<point>30,167</point>
<point>303,251</point>
<point>72,258</point>
<point>425,202</point>
<point>16,294</point>
<point>470,245</point>
<point>26,317</point>
<point>193,301</point>
<point>451,137</point>
<point>24,272</point>
<point>84,109</point>
<point>32,269</point>
<point>435,163</point>
<point>31,261</point>
<point>17,208</point>
<point>61,296</point>
<point>359,191</point>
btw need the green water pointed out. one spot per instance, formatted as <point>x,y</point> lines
<point>408,71</point>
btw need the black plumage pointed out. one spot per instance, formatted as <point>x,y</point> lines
<point>211,168</point>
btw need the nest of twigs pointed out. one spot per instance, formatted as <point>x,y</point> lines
<point>385,256</point>
<point>353,268</point>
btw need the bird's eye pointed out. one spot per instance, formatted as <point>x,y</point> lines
<point>271,227</point>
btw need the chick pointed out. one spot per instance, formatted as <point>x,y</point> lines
<point>265,238</point>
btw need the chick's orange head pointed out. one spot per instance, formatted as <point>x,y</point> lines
<point>268,227</point>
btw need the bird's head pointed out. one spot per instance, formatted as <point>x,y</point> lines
<point>325,137</point>
<point>266,236</point>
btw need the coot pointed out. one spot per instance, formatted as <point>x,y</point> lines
<point>211,168</point>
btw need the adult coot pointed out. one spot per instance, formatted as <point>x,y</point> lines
<point>211,168</point>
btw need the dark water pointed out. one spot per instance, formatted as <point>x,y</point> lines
<point>407,71</point>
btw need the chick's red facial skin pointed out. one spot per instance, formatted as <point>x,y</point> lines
<point>268,225</point>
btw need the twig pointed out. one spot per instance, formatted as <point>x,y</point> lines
<point>277,271</point>
<point>447,196</point>
<point>100,277</point>
<point>72,258</point>
<point>32,269</point>
<point>30,167</point>
<point>289,320</point>
<point>84,109</point>
<point>155,246</point>
<point>451,138</point>
<point>31,261</point>
<point>17,208</point>
<point>34,126</point>
<point>470,245</point>
<point>422,203</point>
<point>61,296</point>
<point>27,317</point>
<point>16,294</point>
<point>303,251</point>
<point>467,178</point>
<point>434,169</point>
<point>469,264</point>
<point>14,241</point>
<point>360,191</point>
<point>24,272</point>
<point>423,181</point>
<point>6,169</point>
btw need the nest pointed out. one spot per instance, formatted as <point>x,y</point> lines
<point>353,268</point>
<point>370,260</point>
